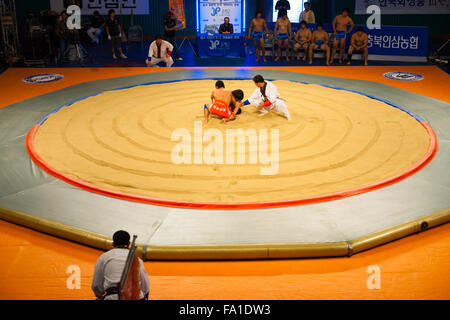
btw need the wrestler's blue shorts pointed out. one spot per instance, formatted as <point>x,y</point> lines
<point>257,35</point>
<point>319,43</point>
<point>341,35</point>
<point>283,36</point>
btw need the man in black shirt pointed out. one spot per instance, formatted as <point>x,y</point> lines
<point>63,35</point>
<point>114,32</point>
<point>170,25</point>
<point>97,24</point>
<point>226,27</point>
<point>282,6</point>
<point>49,19</point>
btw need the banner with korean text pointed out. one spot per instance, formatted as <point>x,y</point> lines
<point>103,6</point>
<point>405,6</point>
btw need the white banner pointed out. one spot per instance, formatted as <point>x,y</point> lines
<point>213,12</point>
<point>103,6</point>
<point>405,6</point>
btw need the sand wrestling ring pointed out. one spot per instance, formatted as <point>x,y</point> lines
<point>356,166</point>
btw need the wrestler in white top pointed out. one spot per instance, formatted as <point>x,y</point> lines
<point>160,51</point>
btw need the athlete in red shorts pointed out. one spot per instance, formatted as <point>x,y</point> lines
<point>223,110</point>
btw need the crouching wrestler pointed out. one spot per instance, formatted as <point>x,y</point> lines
<point>266,98</point>
<point>160,51</point>
<point>227,109</point>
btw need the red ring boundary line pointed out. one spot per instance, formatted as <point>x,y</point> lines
<point>432,150</point>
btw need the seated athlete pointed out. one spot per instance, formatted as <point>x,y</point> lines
<point>359,43</point>
<point>340,28</point>
<point>320,40</point>
<point>225,103</point>
<point>283,33</point>
<point>266,98</point>
<point>256,33</point>
<point>302,39</point>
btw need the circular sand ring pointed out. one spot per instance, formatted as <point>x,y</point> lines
<point>121,143</point>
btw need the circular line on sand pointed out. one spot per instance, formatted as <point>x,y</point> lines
<point>244,205</point>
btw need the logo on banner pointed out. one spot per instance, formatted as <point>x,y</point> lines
<point>215,11</point>
<point>43,78</point>
<point>214,44</point>
<point>403,76</point>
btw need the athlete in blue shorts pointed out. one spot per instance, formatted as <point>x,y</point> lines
<point>341,29</point>
<point>320,40</point>
<point>256,36</point>
<point>283,32</point>
<point>256,33</point>
<point>282,36</point>
<point>341,35</point>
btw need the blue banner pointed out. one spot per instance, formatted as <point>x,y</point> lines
<point>388,41</point>
<point>398,41</point>
<point>219,45</point>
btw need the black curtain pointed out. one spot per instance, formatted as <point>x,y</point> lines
<point>265,6</point>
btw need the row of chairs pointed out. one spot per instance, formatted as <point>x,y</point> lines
<point>270,45</point>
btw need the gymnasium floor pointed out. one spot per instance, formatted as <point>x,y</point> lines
<point>415,267</point>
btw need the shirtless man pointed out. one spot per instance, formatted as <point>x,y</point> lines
<point>256,33</point>
<point>340,29</point>
<point>359,43</point>
<point>283,33</point>
<point>320,41</point>
<point>225,103</point>
<point>302,39</point>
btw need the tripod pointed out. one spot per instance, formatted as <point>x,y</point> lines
<point>81,54</point>
<point>185,39</point>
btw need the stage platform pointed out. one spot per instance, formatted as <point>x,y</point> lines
<point>346,226</point>
<point>38,262</point>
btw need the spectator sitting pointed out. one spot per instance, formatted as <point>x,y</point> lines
<point>109,268</point>
<point>114,32</point>
<point>226,27</point>
<point>97,25</point>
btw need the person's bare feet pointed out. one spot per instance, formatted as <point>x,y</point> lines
<point>264,59</point>
<point>276,59</point>
<point>287,59</point>
<point>257,59</point>
<point>328,63</point>
<point>298,58</point>
<point>304,59</point>
<point>340,61</point>
<point>310,62</point>
<point>349,63</point>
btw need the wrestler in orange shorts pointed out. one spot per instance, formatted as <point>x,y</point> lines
<point>223,110</point>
